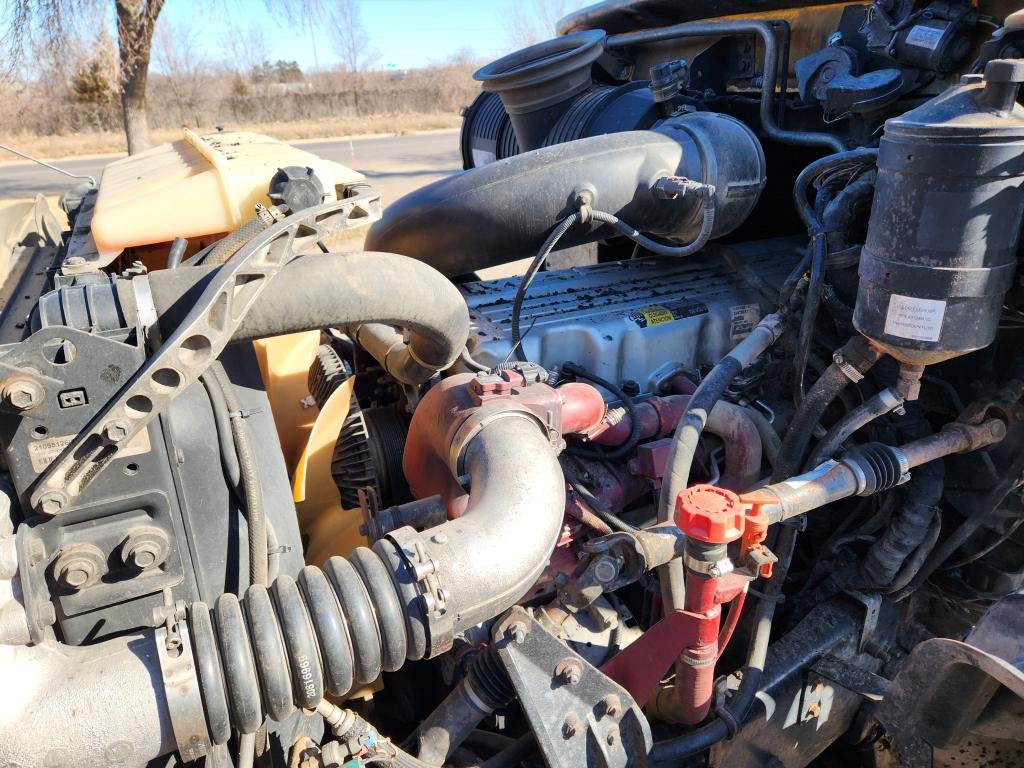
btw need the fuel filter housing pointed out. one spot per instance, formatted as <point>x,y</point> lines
<point>942,239</point>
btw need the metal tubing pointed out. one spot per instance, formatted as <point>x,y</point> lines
<point>762,29</point>
<point>83,705</point>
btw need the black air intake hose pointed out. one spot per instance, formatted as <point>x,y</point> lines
<point>286,645</point>
<point>337,290</point>
<point>505,210</point>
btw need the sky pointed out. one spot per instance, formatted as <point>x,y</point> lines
<point>405,33</point>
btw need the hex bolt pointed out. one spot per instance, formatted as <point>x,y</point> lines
<point>569,671</point>
<point>53,502</point>
<point>144,548</point>
<point>516,632</point>
<point>22,393</point>
<point>571,725</point>
<point>611,705</point>
<point>74,261</point>
<point>79,566</point>
<point>116,431</point>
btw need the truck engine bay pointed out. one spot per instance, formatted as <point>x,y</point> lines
<point>727,471</point>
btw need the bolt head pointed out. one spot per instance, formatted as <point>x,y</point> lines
<point>116,431</point>
<point>74,261</point>
<point>439,538</point>
<point>23,394</point>
<point>570,726</point>
<point>569,671</point>
<point>516,632</point>
<point>79,567</point>
<point>612,705</point>
<point>53,502</point>
<point>605,570</point>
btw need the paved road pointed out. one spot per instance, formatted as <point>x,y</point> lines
<point>394,164</point>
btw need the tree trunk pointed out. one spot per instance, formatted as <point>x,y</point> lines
<point>135,22</point>
<point>133,104</point>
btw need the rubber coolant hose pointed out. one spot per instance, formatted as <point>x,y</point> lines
<point>335,290</point>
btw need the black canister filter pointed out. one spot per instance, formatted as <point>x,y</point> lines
<point>942,240</point>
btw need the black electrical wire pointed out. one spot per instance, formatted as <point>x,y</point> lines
<point>809,316</point>
<point>984,550</point>
<point>818,252</point>
<point>627,402</point>
<point>531,272</point>
<point>596,506</point>
<point>588,214</point>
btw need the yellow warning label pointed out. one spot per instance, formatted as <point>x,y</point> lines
<point>657,315</point>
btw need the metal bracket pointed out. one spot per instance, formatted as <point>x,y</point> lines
<point>191,348</point>
<point>181,686</point>
<point>579,716</point>
<point>872,606</point>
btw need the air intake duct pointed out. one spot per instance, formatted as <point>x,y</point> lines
<point>503,211</point>
<point>537,84</point>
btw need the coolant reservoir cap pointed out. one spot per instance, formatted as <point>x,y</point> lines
<point>710,514</point>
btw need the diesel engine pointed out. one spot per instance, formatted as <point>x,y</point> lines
<point>684,426</point>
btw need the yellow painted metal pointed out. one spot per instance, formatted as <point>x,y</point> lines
<point>329,529</point>
<point>284,364</point>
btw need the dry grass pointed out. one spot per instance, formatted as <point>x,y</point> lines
<point>64,146</point>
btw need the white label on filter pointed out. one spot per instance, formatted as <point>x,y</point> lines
<point>913,318</point>
<point>924,37</point>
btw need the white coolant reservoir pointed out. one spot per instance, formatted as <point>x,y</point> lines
<point>196,186</point>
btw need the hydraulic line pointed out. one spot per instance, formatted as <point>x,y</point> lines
<point>769,75</point>
<point>879,405</point>
<point>819,251</point>
<point>857,356</point>
<point>688,431</point>
<point>732,715</point>
<point>985,508</point>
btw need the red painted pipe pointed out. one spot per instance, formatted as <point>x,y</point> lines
<point>583,409</point>
<point>660,415</point>
<point>695,674</point>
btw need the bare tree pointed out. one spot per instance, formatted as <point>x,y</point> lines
<point>55,21</point>
<point>188,75</point>
<point>354,47</point>
<point>246,48</point>
<point>533,21</point>
<point>136,21</point>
